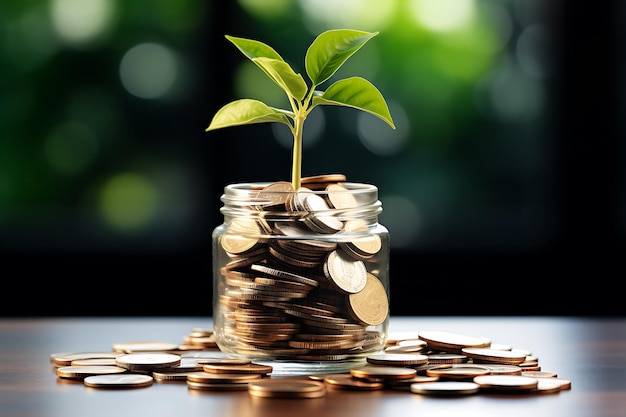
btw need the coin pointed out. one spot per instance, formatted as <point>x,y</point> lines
<point>65,359</point>
<point>286,388</point>
<point>222,378</point>
<point>445,388</point>
<point>451,342</point>
<point>548,386</point>
<point>248,368</point>
<point>94,361</point>
<point>506,357</point>
<point>458,371</point>
<point>346,381</point>
<point>539,374</point>
<point>506,382</point>
<point>381,371</point>
<point>134,347</point>
<point>370,305</point>
<point>118,381</point>
<point>206,386</point>
<point>80,372</point>
<point>397,359</point>
<point>240,236</point>
<point>147,361</point>
<point>349,275</point>
<point>170,376</point>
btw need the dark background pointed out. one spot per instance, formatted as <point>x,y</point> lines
<point>578,270</point>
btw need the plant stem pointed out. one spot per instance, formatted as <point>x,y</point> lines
<point>296,167</point>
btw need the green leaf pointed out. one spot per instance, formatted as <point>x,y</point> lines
<point>246,112</point>
<point>330,50</point>
<point>254,49</point>
<point>358,93</point>
<point>283,75</point>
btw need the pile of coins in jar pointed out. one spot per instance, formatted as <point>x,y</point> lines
<point>437,363</point>
<point>300,273</point>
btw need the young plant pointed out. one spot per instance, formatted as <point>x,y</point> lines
<point>326,54</point>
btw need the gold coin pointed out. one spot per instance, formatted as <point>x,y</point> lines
<point>248,368</point>
<point>497,369</point>
<point>134,347</point>
<point>381,371</point>
<point>397,359</point>
<point>506,382</point>
<point>275,194</point>
<point>286,388</point>
<point>346,381</point>
<point>548,385</point>
<point>445,388</point>
<point>328,178</point>
<point>170,376</point>
<point>441,358</point>
<point>370,306</point>
<point>206,386</point>
<point>147,361</point>
<point>349,275</point>
<point>94,361</point>
<point>506,357</point>
<point>65,359</point>
<point>539,374</point>
<point>240,236</point>
<point>458,371</point>
<point>118,381</point>
<point>340,197</point>
<point>406,383</point>
<point>222,378</point>
<point>81,372</point>
<point>451,342</point>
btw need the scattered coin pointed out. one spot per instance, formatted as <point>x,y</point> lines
<point>397,359</point>
<point>506,357</point>
<point>346,381</point>
<point>447,388</point>
<point>65,359</point>
<point>286,388</point>
<point>118,381</point>
<point>458,371</point>
<point>506,382</point>
<point>451,342</point>
<point>81,372</point>
<point>134,347</point>
<point>147,361</point>
<point>247,368</point>
<point>385,372</point>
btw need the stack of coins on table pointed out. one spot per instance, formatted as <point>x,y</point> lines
<point>430,363</point>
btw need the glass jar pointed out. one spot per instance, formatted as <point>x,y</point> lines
<point>301,279</point>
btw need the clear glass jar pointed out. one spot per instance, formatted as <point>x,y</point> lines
<point>301,279</point>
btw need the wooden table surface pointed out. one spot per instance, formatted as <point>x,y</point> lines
<point>590,352</point>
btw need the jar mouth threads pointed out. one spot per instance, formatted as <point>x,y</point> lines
<point>301,275</point>
<point>341,201</point>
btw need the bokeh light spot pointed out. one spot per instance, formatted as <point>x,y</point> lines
<point>148,70</point>
<point>129,202</point>
<point>532,51</point>
<point>320,15</point>
<point>442,15</point>
<point>81,21</point>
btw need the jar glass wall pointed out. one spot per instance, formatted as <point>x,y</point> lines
<point>301,278</point>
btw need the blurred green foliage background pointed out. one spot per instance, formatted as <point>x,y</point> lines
<point>104,160</point>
